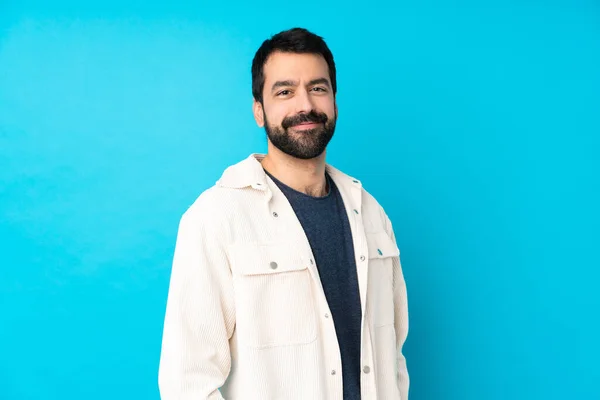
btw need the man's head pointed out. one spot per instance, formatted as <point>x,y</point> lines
<point>294,87</point>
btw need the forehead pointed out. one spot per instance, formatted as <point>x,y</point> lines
<point>282,66</point>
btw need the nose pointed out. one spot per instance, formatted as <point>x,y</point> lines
<point>303,102</point>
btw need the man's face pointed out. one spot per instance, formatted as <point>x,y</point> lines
<point>298,110</point>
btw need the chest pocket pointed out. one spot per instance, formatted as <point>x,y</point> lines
<point>382,249</point>
<point>273,295</point>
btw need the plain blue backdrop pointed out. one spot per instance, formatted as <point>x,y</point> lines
<point>475,124</point>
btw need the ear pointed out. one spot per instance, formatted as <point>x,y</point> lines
<point>257,109</point>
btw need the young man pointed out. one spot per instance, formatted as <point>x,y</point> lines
<point>286,281</point>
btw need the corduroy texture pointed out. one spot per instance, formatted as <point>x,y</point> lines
<point>246,314</point>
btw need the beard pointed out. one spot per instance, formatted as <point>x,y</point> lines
<point>303,144</point>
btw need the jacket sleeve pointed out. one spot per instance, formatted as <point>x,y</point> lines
<point>400,318</point>
<point>199,320</point>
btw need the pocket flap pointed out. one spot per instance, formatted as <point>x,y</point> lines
<point>270,258</point>
<point>380,245</point>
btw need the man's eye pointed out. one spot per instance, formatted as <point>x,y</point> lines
<point>319,89</point>
<point>283,92</point>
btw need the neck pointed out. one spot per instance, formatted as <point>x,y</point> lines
<point>306,176</point>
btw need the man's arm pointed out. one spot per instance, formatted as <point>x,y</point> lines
<point>195,359</point>
<point>400,318</point>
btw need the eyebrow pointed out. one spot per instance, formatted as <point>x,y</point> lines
<point>295,83</point>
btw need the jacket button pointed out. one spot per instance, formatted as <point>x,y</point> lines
<point>273,265</point>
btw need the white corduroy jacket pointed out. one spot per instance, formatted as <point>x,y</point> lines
<point>246,315</point>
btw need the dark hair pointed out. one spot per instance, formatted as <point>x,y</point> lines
<point>295,40</point>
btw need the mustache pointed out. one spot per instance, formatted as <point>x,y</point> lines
<point>312,116</point>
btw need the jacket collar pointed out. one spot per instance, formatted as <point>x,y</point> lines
<point>250,173</point>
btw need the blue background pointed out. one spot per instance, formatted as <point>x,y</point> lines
<point>475,124</point>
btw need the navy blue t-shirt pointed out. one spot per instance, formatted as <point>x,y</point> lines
<point>327,228</point>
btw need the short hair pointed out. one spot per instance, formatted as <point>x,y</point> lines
<point>295,40</point>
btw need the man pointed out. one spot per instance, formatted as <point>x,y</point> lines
<point>286,281</point>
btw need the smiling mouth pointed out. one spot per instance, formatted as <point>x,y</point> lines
<point>307,125</point>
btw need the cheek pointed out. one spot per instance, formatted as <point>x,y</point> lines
<point>274,115</point>
<point>328,107</point>
<point>333,113</point>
